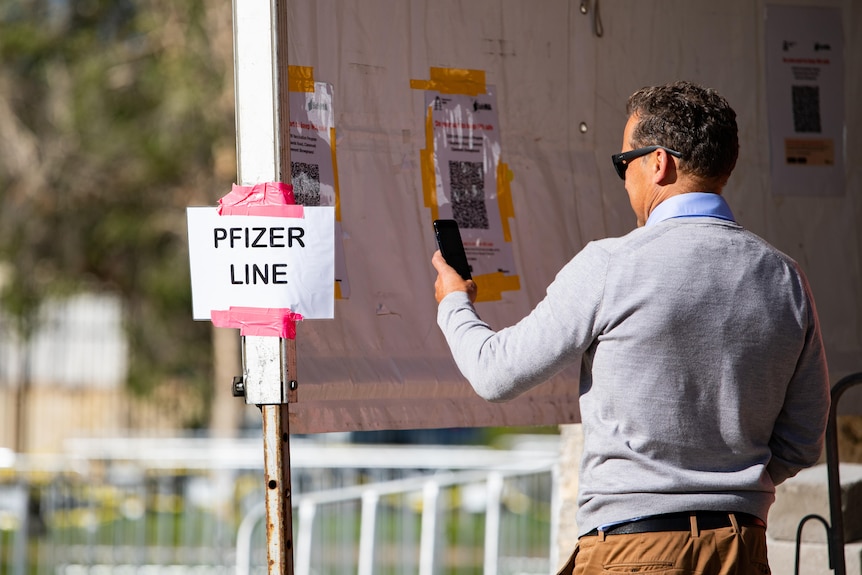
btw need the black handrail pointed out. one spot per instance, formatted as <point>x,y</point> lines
<point>835,530</point>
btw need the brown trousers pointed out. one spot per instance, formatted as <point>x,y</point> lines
<point>727,551</point>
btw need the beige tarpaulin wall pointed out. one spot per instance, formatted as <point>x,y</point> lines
<point>561,79</point>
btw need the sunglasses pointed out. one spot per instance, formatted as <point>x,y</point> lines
<point>621,161</point>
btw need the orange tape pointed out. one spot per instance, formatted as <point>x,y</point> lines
<point>504,198</point>
<point>453,81</point>
<point>300,79</point>
<point>494,284</point>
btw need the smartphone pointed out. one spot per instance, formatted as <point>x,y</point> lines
<point>451,246</point>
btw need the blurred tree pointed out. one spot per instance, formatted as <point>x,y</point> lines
<point>114,116</point>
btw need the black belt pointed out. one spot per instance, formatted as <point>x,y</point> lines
<point>681,522</point>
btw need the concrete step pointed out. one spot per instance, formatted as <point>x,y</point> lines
<point>808,494</point>
<point>813,558</point>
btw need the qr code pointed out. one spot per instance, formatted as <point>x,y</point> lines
<point>306,183</point>
<point>467,181</point>
<point>806,108</point>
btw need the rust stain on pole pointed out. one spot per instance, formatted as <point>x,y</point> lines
<point>279,506</point>
<point>279,511</point>
<point>272,462</point>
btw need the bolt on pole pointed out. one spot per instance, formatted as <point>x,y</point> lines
<point>263,155</point>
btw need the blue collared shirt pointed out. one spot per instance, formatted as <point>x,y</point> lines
<point>693,204</point>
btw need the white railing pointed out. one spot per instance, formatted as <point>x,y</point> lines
<point>195,506</point>
<point>430,489</point>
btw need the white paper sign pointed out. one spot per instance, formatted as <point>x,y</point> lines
<point>805,99</point>
<point>263,262</point>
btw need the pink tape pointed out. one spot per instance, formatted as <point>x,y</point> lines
<point>276,322</point>
<point>268,199</point>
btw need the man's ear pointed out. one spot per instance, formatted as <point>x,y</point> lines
<point>663,168</point>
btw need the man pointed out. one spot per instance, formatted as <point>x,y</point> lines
<point>703,377</point>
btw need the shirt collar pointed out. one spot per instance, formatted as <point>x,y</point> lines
<point>690,205</point>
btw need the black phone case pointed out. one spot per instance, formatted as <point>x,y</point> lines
<point>451,246</point>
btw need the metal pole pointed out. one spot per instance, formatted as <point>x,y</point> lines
<point>282,436</point>
<point>835,531</point>
<point>492,522</point>
<point>263,155</point>
<point>276,463</point>
<point>430,526</point>
<point>307,512</point>
<point>836,515</point>
<point>368,532</point>
<point>279,519</point>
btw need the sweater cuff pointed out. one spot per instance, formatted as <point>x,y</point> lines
<point>451,303</point>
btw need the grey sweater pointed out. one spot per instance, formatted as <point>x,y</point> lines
<point>703,379</point>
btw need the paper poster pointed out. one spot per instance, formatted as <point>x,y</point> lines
<point>313,165</point>
<point>467,152</point>
<point>805,99</point>
<point>464,178</point>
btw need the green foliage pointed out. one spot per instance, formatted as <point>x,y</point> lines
<point>112,115</point>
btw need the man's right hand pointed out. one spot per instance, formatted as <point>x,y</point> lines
<point>448,280</point>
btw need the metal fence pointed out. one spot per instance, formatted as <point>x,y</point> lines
<point>195,506</point>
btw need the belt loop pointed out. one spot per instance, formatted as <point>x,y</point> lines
<point>601,536</point>
<point>695,532</point>
<point>734,523</point>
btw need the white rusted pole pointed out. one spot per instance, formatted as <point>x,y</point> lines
<point>263,155</point>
